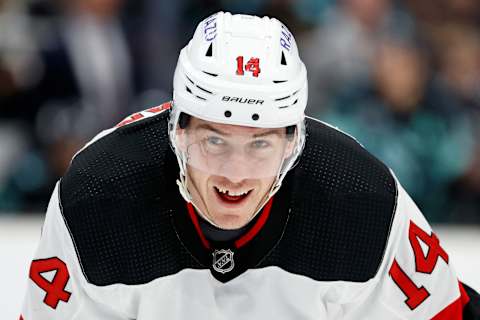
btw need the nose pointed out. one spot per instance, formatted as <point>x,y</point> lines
<point>236,168</point>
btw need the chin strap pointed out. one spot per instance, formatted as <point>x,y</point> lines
<point>187,197</point>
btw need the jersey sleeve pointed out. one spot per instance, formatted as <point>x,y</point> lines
<point>56,285</point>
<point>418,280</point>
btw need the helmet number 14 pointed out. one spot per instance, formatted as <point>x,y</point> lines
<point>253,65</point>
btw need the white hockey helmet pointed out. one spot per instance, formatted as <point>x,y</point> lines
<point>209,84</point>
<point>240,70</point>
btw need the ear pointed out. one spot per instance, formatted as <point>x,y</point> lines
<point>290,147</point>
<point>181,139</point>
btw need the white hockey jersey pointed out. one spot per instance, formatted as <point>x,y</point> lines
<point>341,240</point>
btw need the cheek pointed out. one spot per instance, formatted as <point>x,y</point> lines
<point>181,141</point>
<point>198,179</point>
<point>265,185</point>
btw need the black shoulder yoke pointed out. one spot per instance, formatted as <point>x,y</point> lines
<point>342,206</point>
<point>117,198</point>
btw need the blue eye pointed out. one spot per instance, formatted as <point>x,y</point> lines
<point>260,144</point>
<point>216,141</point>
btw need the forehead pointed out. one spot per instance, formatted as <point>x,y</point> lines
<point>231,129</point>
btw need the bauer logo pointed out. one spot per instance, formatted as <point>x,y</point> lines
<point>242,100</point>
<point>210,28</point>
<point>223,261</point>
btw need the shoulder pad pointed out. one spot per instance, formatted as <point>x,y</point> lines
<point>117,198</point>
<point>343,204</point>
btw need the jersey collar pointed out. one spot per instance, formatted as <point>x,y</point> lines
<point>228,259</point>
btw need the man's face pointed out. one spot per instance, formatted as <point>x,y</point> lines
<point>231,169</point>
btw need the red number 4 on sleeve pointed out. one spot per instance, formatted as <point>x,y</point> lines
<point>55,289</point>
<point>424,264</point>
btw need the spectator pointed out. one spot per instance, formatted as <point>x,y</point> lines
<point>87,85</point>
<point>88,70</point>
<point>339,53</point>
<point>20,68</point>
<point>458,55</point>
<point>427,147</point>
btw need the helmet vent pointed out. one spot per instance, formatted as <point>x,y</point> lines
<point>279,81</point>
<point>283,61</point>
<point>190,91</point>
<point>204,90</point>
<point>294,103</point>
<point>190,80</point>
<point>211,74</point>
<point>209,51</point>
<point>283,98</point>
<point>196,85</point>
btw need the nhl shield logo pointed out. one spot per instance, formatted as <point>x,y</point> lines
<point>223,261</point>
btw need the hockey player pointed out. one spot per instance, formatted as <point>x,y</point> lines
<point>276,216</point>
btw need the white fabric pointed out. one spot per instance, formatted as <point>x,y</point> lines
<point>270,293</point>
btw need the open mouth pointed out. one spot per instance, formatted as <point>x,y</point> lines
<point>232,196</point>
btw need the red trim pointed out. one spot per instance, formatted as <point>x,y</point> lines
<point>193,216</point>
<point>21,318</point>
<point>137,116</point>
<point>454,311</point>
<point>257,227</point>
<point>163,106</point>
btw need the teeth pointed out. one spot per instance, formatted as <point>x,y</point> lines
<point>232,193</point>
<point>238,193</point>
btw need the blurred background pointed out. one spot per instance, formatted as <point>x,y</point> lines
<point>400,76</point>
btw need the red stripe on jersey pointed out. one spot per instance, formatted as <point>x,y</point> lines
<point>163,106</point>
<point>138,116</point>
<point>257,227</point>
<point>454,311</point>
<point>193,216</point>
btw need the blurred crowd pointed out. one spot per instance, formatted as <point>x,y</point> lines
<point>400,76</point>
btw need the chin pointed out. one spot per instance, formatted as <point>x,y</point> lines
<point>230,222</point>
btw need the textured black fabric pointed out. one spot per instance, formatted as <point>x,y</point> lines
<point>119,198</point>
<point>472,310</point>
<point>342,207</point>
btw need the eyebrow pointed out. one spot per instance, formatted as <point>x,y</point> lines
<point>267,133</point>
<point>209,127</point>
<point>227,134</point>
